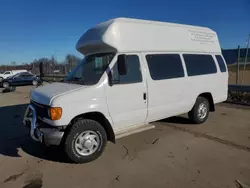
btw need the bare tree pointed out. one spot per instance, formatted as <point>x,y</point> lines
<point>72,60</point>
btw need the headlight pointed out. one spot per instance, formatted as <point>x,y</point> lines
<point>55,113</point>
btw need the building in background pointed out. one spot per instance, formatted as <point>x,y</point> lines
<point>231,55</point>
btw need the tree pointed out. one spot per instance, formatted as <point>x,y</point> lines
<point>13,63</point>
<point>72,60</point>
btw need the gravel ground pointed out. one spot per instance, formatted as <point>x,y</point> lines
<point>174,154</point>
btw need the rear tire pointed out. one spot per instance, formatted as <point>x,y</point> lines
<point>34,83</point>
<point>200,111</point>
<point>85,141</point>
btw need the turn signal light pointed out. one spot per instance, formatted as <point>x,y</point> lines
<point>55,113</point>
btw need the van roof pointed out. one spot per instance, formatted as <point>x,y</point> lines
<point>134,35</point>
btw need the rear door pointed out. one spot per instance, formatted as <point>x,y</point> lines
<point>222,81</point>
<point>27,78</point>
<point>126,98</point>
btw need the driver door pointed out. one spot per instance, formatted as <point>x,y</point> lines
<point>126,98</point>
<point>18,80</point>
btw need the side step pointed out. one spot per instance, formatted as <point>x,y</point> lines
<point>133,130</point>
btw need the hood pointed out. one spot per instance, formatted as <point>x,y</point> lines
<point>10,77</point>
<point>45,94</point>
<point>6,76</point>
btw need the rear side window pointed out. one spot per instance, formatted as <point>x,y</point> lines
<point>165,66</point>
<point>221,63</point>
<point>199,64</point>
<point>25,74</point>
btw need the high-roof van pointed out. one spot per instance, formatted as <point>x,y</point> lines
<point>134,72</point>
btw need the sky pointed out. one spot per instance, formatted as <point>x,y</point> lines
<point>41,28</point>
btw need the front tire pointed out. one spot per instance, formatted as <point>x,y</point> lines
<point>85,141</point>
<point>200,111</point>
<point>6,85</point>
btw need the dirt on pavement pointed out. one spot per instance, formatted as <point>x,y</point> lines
<point>174,154</point>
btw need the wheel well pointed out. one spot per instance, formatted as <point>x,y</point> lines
<point>210,99</point>
<point>100,118</point>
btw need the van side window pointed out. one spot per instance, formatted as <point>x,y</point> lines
<point>165,66</point>
<point>133,74</point>
<point>221,63</point>
<point>6,73</point>
<point>198,64</point>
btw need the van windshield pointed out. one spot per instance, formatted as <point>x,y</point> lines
<point>90,69</point>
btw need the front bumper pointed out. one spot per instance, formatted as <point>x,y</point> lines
<point>48,136</point>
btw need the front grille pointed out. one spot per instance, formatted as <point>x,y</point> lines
<point>41,110</point>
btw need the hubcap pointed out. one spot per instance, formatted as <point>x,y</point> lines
<point>87,143</point>
<point>202,111</point>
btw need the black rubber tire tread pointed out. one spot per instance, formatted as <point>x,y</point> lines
<point>193,114</point>
<point>77,128</point>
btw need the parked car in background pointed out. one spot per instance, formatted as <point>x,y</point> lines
<point>7,74</point>
<point>20,79</point>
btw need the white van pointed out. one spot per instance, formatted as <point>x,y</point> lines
<point>134,72</point>
<point>7,74</point>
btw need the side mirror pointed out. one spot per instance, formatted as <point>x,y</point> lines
<point>122,64</point>
<point>41,70</point>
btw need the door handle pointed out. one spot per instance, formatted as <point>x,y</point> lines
<point>144,96</point>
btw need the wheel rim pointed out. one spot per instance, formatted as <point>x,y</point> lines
<point>87,143</point>
<point>5,85</point>
<point>202,111</point>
